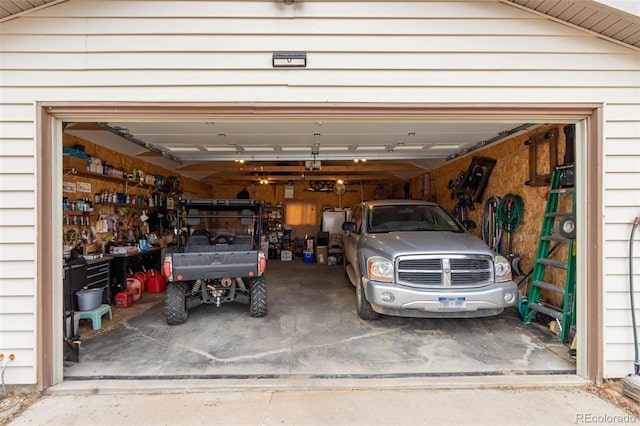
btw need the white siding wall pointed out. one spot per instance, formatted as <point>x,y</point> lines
<point>463,51</point>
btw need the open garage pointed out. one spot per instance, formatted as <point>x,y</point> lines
<point>312,328</point>
<point>117,112</point>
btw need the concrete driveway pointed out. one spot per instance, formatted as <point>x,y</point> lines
<point>494,400</point>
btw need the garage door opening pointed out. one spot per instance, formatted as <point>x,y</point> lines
<point>410,348</point>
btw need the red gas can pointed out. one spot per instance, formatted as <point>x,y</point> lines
<point>142,276</point>
<point>124,299</point>
<point>156,282</point>
<point>135,287</point>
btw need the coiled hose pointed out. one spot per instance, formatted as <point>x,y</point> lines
<point>491,232</point>
<point>510,211</point>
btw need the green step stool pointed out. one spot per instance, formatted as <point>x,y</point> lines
<point>95,315</point>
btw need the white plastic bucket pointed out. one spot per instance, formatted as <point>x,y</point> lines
<point>89,299</point>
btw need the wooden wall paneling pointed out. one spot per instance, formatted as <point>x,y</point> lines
<point>508,177</point>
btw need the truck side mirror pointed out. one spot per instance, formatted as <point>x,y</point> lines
<point>349,226</point>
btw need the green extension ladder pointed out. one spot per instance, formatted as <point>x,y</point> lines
<point>557,227</point>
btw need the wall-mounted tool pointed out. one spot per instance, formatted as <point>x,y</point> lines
<point>538,174</point>
<point>469,186</point>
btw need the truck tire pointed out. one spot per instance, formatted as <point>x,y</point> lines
<point>258,303</point>
<point>175,306</point>
<point>365,311</point>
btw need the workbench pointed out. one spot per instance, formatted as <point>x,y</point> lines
<point>122,265</point>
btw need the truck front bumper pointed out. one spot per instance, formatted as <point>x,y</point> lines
<point>390,299</point>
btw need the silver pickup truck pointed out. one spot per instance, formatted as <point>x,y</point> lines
<point>413,259</point>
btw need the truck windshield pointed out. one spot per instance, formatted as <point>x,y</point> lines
<point>393,218</point>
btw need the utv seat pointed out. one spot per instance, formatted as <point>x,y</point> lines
<point>241,239</point>
<point>199,238</point>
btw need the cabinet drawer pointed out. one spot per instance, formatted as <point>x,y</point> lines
<point>98,267</point>
<point>99,277</point>
<point>97,273</point>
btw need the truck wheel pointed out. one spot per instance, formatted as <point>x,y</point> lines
<point>175,306</point>
<point>365,311</point>
<point>258,304</point>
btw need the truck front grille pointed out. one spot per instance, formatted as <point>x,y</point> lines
<point>423,271</point>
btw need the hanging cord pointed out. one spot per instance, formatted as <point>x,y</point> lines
<point>636,363</point>
<point>458,211</point>
<point>491,233</point>
<point>4,367</point>
<point>510,210</point>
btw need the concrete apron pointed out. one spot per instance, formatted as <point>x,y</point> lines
<point>295,384</point>
<point>312,338</point>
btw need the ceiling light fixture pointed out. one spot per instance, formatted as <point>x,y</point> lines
<point>359,160</point>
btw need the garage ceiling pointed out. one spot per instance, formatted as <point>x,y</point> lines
<point>281,150</point>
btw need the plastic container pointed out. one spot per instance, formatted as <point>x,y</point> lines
<point>76,324</point>
<point>156,283</point>
<point>124,299</point>
<point>134,286</point>
<point>89,299</point>
<point>308,257</point>
<point>142,276</point>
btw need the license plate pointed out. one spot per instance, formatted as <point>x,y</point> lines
<point>452,302</point>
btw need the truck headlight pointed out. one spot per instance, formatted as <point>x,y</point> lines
<point>380,268</point>
<point>503,269</point>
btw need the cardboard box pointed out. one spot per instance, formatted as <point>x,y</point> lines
<point>286,255</point>
<point>322,253</point>
<point>71,162</point>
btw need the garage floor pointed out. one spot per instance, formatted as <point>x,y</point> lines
<point>312,329</point>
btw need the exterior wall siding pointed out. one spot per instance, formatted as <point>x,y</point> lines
<point>189,51</point>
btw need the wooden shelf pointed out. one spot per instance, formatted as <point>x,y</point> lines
<point>94,175</point>
<point>78,213</point>
<point>138,206</point>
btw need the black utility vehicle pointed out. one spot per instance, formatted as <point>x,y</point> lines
<point>218,259</point>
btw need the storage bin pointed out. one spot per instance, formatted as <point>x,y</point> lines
<point>308,257</point>
<point>89,299</point>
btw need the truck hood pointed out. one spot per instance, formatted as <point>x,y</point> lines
<point>394,244</point>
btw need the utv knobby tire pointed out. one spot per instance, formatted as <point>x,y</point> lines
<point>175,306</point>
<point>258,304</point>
<point>363,307</point>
